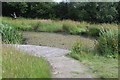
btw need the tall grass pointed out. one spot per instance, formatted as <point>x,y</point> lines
<point>68,26</point>
<point>93,31</point>
<point>49,27</point>
<point>108,43</point>
<point>103,59</point>
<point>100,66</point>
<point>17,64</point>
<point>9,34</point>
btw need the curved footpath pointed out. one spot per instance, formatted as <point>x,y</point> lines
<point>63,67</point>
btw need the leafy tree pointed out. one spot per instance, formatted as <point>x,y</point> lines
<point>107,12</point>
<point>96,12</point>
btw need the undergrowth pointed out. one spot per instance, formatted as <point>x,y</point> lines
<point>10,34</point>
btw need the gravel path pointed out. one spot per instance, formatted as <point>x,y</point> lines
<point>63,67</point>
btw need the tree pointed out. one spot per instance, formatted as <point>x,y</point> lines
<point>96,12</point>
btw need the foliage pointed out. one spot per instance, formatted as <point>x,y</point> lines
<point>17,64</point>
<point>9,34</point>
<point>102,66</point>
<point>82,28</point>
<point>96,12</point>
<point>21,26</point>
<point>50,27</point>
<point>93,31</point>
<point>108,43</point>
<point>78,48</point>
<point>35,26</point>
<point>107,12</point>
<point>70,28</point>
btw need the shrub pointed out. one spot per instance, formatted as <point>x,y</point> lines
<point>81,52</point>
<point>78,48</point>
<point>108,43</point>
<point>70,28</point>
<point>9,34</point>
<point>93,31</point>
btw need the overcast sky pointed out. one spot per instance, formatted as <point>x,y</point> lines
<point>59,0</point>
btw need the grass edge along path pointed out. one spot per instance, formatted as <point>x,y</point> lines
<point>16,64</point>
<point>101,66</point>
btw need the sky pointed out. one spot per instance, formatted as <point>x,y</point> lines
<point>59,0</point>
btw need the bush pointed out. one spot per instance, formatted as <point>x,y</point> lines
<point>9,34</point>
<point>108,43</point>
<point>93,31</point>
<point>78,48</point>
<point>70,28</point>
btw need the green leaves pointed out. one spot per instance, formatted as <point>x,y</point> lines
<point>100,12</point>
<point>108,42</point>
<point>9,34</point>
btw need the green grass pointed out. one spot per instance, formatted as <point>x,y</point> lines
<point>49,27</point>
<point>68,26</point>
<point>93,31</point>
<point>101,66</point>
<point>108,43</point>
<point>9,34</point>
<point>16,64</point>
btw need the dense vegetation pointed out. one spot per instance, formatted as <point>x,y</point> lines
<point>100,12</point>
<point>84,19</point>
<point>67,26</point>
<point>10,34</point>
<point>11,57</point>
<point>17,64</point>
<point>103,58</point>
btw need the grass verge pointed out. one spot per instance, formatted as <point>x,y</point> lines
<point>16,64</point>
<point>102,67</point>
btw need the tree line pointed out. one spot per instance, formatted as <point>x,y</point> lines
<point>96,12</point>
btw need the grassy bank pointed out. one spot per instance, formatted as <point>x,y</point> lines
<point>16,64</point>
<point>10,34</point>
<point>100,66</point>
<point>67,26</point>
<point>99,50</point>
<point>103,59</point>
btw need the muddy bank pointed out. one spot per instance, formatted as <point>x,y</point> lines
<point>59,40</point>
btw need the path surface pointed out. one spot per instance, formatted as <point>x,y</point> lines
<point>63,67</point>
